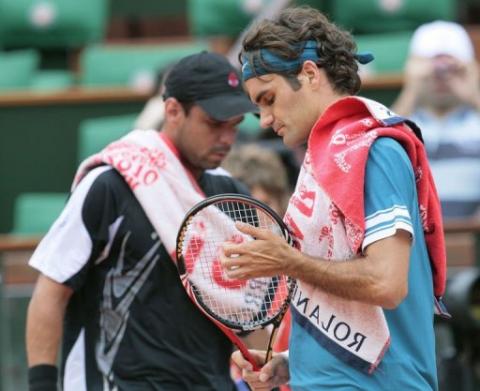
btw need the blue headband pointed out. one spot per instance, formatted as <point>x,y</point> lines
<point>276,64</point>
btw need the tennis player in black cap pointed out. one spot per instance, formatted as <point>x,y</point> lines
<point>107,280</point>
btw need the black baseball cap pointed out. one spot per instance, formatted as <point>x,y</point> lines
<point>209,80</point>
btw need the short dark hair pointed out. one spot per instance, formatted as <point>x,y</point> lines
<point>335,47</point>
<point>186,106</point>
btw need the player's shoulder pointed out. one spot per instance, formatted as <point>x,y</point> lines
<point>389,151</point>
<point>100,183</point>
<point>106,177</point>
<point>388,158</point>
<point>385,145</point>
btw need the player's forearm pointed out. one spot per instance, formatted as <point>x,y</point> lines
<point>45,322</point>
<point>44,330</point>
<point>355,279</point>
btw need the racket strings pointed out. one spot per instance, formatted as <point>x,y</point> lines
<point>239,303</point>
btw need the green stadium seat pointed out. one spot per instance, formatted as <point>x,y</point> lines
<point>228,18</point>
<point>96,133</point>
<point>52,23</point>
<point>52,80</point>
<point>377,16</point>
<point>148,8</point>
<point>34,213</point>
<point>390,51</point>
<point>131,65</point>
<point>17,69</point>
<point>218,17</point>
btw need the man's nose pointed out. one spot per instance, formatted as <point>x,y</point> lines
<point>228,135</point>
<point>266,119</point>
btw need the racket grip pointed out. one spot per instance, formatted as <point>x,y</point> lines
<point>247,355</point>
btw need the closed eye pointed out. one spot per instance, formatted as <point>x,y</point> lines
<point>264,98</point>
<point>267,100</point>
<point>270,101</point>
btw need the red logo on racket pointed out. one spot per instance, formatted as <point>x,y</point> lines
<point>218,273</point>
<point>223,281</point>
<point>195,246</point>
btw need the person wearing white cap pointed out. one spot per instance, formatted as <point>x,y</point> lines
<point>441,94</point>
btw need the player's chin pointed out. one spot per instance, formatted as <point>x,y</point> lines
<point>216,159</point>
<point>291,140</point>
<point>212,164</point>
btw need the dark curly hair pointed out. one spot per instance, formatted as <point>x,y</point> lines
<point>283,37</point>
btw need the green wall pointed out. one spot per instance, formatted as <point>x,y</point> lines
<point>38,147</point>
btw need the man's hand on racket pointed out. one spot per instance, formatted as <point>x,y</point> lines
<point>266,256</point>
<point>271,375</point>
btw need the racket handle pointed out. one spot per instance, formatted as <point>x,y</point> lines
<point>247,356</point>
<point>227,331</point>
<point>239,344</point>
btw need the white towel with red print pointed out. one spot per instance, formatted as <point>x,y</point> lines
<point>149,164</point>
<point>355,332</point>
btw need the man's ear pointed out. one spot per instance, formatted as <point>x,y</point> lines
<point>311,74</point>
<point>173,110</point>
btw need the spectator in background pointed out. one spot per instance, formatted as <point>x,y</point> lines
<point>262,170</point>
<point>441,94</point>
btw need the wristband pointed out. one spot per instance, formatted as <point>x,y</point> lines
<point>42,377</point>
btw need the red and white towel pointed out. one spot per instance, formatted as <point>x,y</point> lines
<point>149,163</point>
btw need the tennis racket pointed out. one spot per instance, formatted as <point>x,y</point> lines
<point>234,305</point>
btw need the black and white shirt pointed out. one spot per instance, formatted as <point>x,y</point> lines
<point>129,324</point>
